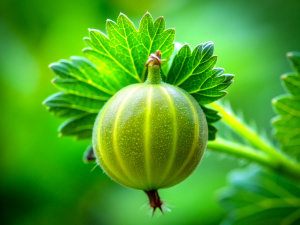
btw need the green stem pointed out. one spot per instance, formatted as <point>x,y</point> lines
<point>286,168</point>
<point>240,151</point>
<point>153,74</point>
<point>154,64</point>
<point>273,158</point>
<point>243,130</point>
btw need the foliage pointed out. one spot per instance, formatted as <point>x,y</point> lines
<point>288,107</point>
<point>259,196</point>
<point>118,60</point>
<point>256,196</point>
<point>194,72</point>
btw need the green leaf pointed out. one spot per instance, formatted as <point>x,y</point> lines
<point>258,197</point>
<point>80,126</point>
<point>72,101</point>
<point>287,124</point>
<point>65,112</point>
<point>194,72</point>
<point>80,88</point>
<point>287,105</point>
<point>117,59</point>
<point>113,61</point>
<point>292,83</point>
<point>294,58</point>
<point>211,117</point>
<point>83,70</point>
<point>123,53</point>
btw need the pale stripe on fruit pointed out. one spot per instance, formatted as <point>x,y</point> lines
<point>195,140</point>
<point>114,141</point>
<point>101,155</point>
<point>147,137</point>
<point>175,134</point>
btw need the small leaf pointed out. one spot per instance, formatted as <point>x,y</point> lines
<point>258,197</point>
<point>194,72</point>
<point>180,66</point>
<point>125,51</point>
<point>112,61</point>
<point>72,101</point>
<point>117,59</point>
<point>287,105</point>
<point>208,96</point>
<point>80,88</point>
<point>81,69</point>
<point>287,124</point>
<point>211,117</point>
<point>294,58</point>
<point>288,133</point>
<point>78,126</point>
<point>292,83</point>
<point>65,112</point>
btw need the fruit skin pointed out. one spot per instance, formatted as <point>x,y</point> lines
<point>150,136</point>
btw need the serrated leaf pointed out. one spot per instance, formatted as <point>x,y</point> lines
<point>65,112</point>
<point>292,83</point>
<point>288,133</point>
<point>194,72</point>
<point>208,96</point>
<point>287,105</point>
<point>81,69</point>
<point>294,58</point>
<point>80,88</point>
<point>117,59</point>
<point>167,65</point>
<point>255,196</point>
<point>78,126</point>
<point>287,124</point>
<point>211,117</point>
<point>124,52</point>
<point>212,131</point>
<point>72,101</point>
<point>113,61</point>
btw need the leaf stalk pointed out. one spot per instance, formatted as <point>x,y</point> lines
<point>265,153</point>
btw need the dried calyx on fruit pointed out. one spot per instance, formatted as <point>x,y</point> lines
<point>150,135</point>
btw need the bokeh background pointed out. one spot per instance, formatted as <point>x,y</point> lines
<point>43,178</point>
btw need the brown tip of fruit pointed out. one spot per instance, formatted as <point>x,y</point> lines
<point>89,155</point>
<point>154,200</point>
<point>154,59</point>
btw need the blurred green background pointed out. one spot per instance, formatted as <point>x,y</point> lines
<point>43,178</point>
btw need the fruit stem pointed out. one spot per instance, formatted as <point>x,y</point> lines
<point>154,64</point>
<point>154,200</point>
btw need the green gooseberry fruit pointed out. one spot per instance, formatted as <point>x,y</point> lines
<point>150,135</point>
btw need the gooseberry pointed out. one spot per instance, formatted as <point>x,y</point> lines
<point>150,135</point>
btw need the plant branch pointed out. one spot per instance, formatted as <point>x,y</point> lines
<point>243,130</point>
<point>240,151</point>
<point>271,157</point>
<point>285,167</point>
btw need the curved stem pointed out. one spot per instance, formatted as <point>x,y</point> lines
<point>240,151</point>
<point>275,160</point>
<point>243,130</point>
<point>287,168</point>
